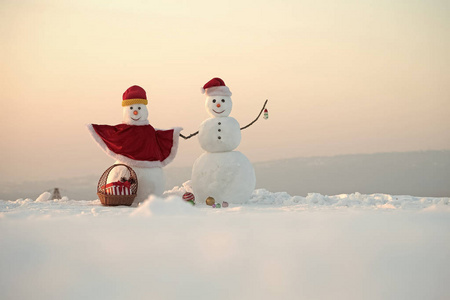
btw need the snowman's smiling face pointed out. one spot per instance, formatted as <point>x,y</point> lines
<point>218,106</point>
<point>136,114</point>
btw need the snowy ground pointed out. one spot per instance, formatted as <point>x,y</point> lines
<point>276,246</point>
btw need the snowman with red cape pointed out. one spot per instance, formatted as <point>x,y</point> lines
<point>137,144</point>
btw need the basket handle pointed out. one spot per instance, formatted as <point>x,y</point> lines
<point>106,174</point>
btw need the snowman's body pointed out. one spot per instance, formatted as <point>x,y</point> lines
<point>219,134</point>
<point>225,176</point>
<point>151,181</point>
<point>220,172</point>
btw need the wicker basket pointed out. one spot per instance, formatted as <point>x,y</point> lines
<point>114,200</point>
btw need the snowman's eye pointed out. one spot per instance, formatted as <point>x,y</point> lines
<point>223,100</point>
<point>214,100</point>
<point>131,107</point>
<point>139,108</point>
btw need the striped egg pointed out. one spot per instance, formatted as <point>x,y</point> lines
<point>188,197</point>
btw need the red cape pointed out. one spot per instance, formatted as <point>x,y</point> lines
<point>137,145</point>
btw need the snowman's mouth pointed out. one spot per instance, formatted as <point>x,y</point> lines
<point>217,112</point>
<point>135,119</point>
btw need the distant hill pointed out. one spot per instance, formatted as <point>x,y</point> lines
<point>406,173</point>
<point>411,173</point>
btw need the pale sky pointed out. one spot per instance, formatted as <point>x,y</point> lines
<point>342,77</point>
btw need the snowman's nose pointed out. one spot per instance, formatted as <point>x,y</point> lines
<point>218,105</point>
<point>135,112</point>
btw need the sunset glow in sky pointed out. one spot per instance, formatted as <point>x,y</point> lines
<point>341,76</point>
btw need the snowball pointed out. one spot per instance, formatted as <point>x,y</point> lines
<point>218,106</point>
<point>219,134</point>
<point>225,176</point>
<point>141,117</point>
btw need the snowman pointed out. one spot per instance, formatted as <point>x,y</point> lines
<point>220,172</point>
<point>137,144</point>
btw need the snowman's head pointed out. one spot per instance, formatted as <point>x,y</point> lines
<point>135,114</point>
<point>218,106</point>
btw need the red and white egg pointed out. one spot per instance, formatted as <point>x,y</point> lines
<point>188,197</point>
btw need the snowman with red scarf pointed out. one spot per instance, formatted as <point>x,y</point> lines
<point>137,144</point>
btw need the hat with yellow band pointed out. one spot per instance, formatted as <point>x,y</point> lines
<point>134,95</point>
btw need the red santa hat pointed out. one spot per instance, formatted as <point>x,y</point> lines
<point>216,87</point>
<point>134,95</point>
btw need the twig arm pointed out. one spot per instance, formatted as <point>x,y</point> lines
<point>264,106</point>
<point>189,136</point>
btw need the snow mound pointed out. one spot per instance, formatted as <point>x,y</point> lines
<point>265,198</point>
<point>356,200</point>
<point>172,205</point>
<point>45,196</point>
<point>180,190</point>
